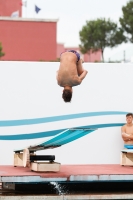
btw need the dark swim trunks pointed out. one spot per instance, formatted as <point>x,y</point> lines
<point>73,51</point>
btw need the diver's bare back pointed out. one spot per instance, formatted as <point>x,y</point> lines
<point>67,73</point>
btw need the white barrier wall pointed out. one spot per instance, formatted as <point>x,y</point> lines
<point>29,95</point>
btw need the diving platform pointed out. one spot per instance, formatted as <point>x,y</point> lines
<point>44,163</point>
<point>70,173</point>
<point>111,180</point>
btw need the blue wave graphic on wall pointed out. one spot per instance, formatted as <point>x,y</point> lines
<point>57,118</point>
<point>54,132</point>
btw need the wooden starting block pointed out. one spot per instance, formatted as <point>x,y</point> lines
<point>127,157</point>
<point>38,163</point>
<point>45,166</point>
<point>18,159</point>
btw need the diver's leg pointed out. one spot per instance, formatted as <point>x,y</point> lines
<point>80,68</point>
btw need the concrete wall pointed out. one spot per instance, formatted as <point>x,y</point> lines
<point>7,7</point>
<point>29,91</point>
<point>28,39</point>
<point>93,56</point>
<point>60,49</point>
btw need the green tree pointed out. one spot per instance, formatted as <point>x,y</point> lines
<point>126,20</point>
<point>98,34</point>
<point>1,52</point>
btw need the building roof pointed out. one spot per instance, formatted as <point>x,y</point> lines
<point>27,19</point>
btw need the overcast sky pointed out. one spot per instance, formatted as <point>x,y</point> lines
<point>73,14</point>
